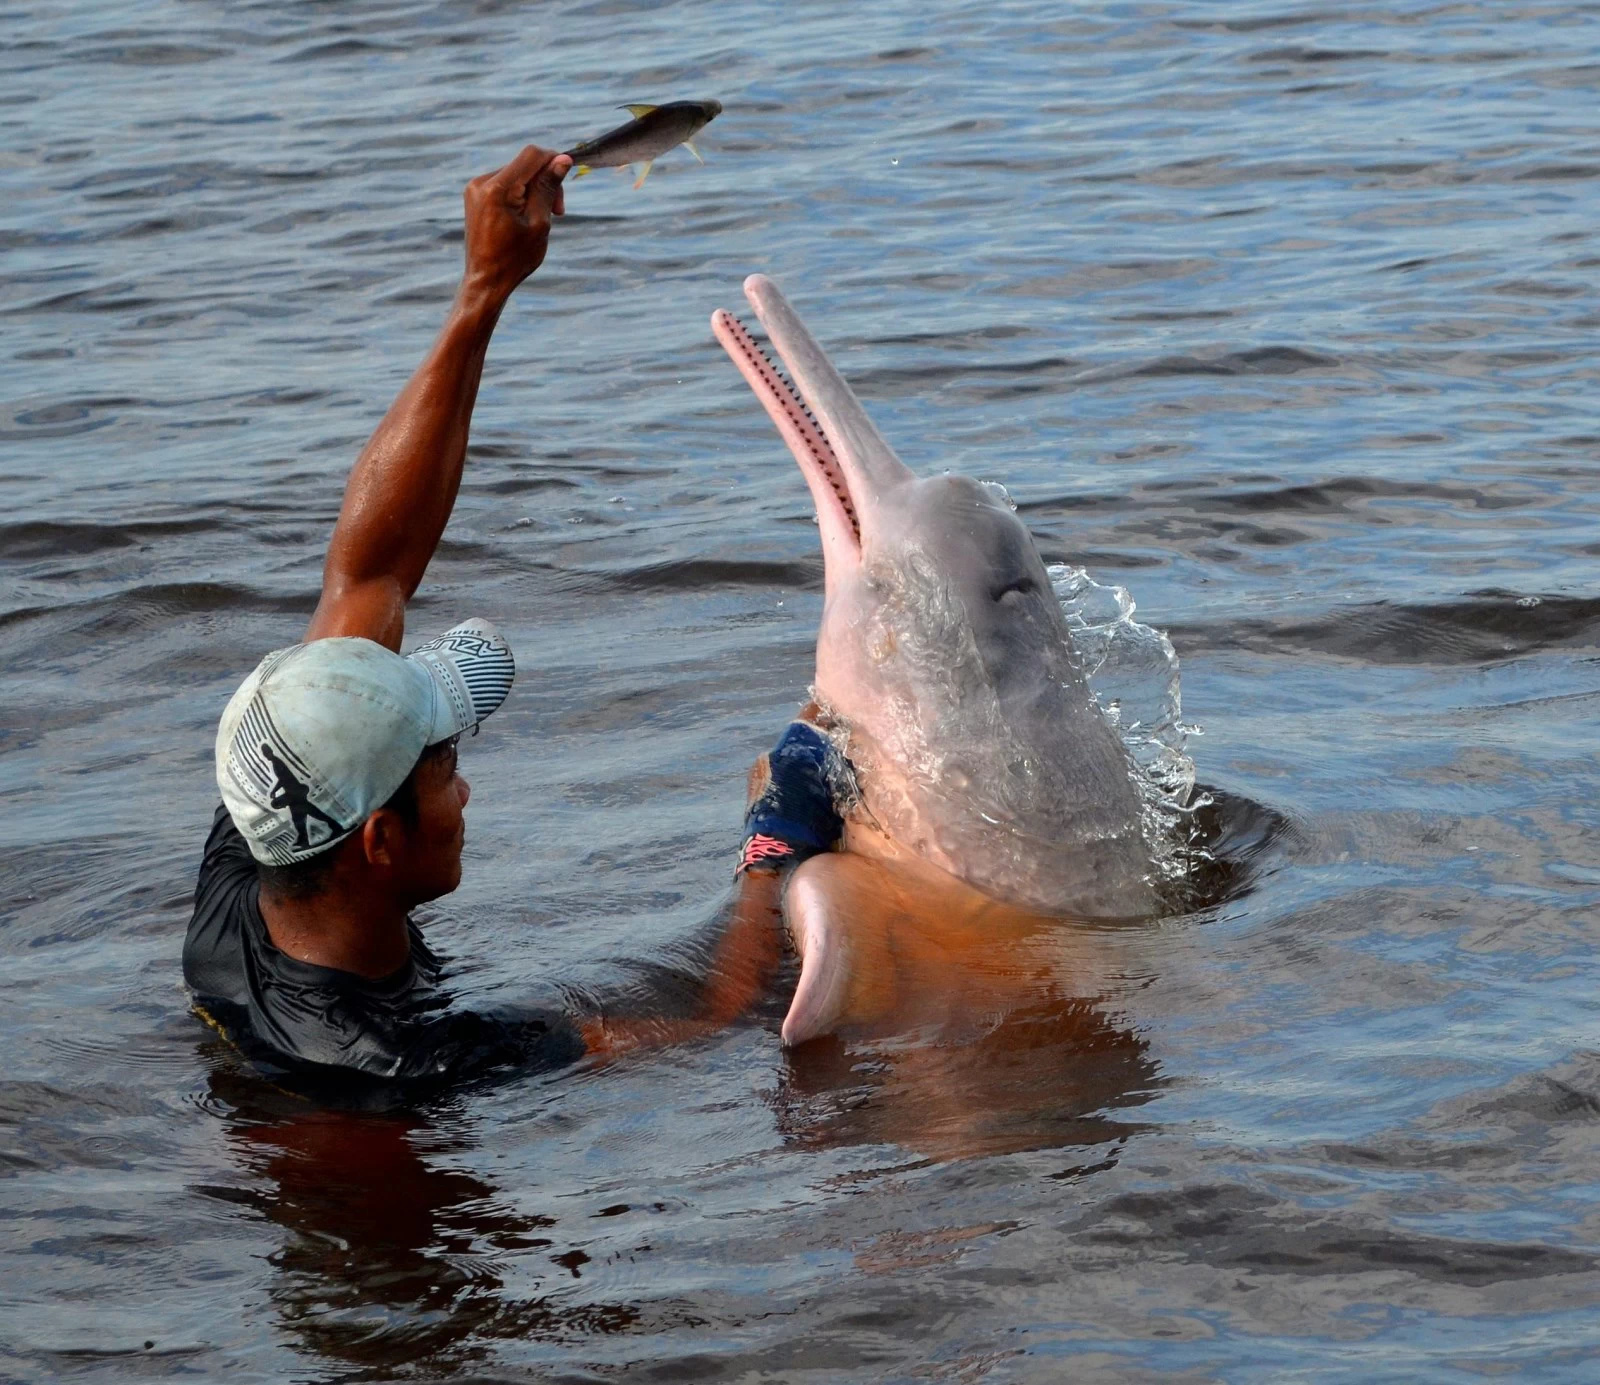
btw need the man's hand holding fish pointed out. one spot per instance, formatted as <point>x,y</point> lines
<point>508,215</point>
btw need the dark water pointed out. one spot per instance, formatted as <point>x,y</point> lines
<point>1281,315</point>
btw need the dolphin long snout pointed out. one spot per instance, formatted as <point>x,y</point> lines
<point>819,464</point>
<point>847,464</point>
<point>871,466</point>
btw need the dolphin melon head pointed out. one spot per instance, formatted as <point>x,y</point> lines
<point>944,657</point>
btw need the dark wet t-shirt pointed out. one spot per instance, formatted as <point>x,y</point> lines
<point>292,1017</point>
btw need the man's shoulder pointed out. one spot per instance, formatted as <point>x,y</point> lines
<point>226,904</point>
<point>226,865</point>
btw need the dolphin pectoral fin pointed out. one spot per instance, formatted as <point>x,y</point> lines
<point>824,947</point>
<point>843,916</point>
<point>895,946</point>
<point>644,173</point>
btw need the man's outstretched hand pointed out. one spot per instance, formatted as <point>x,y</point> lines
<point>508,220</point>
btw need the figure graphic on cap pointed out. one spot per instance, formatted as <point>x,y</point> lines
<point>290,793</point>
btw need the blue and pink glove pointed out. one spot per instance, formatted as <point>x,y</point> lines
<point>794,813</point>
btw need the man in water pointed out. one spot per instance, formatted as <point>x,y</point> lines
<point>341,800</point>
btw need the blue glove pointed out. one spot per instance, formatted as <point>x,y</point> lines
<point>793,815</point>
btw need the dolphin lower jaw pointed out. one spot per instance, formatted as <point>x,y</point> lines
<point>819,463</point>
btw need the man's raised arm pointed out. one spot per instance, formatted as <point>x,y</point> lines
<point>404,484</point>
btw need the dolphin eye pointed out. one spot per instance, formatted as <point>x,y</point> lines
<point>1018,589</point>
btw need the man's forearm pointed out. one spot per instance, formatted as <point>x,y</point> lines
<point>403,486</point>
<point>747,956</point>
<point>750,948</point>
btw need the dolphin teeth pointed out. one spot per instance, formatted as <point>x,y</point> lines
<point>783,393</point>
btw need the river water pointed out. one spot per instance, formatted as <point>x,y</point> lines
<point>1282,316</point>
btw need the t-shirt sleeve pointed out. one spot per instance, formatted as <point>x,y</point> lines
<point>543,1038</point>
<point>469,1042</point>
<point>213,950</point>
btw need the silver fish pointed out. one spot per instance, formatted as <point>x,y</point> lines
<point>652,131</point>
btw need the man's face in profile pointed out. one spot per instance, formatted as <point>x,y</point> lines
<point>430,858</point>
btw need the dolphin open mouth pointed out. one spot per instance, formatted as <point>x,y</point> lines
<point>789,411</point>
<point>846,462</point>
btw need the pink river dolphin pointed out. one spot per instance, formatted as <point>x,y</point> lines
<point>995,799</point>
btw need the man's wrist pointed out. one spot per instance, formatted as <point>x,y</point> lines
<point>770,855</point>
<point>480,301</point>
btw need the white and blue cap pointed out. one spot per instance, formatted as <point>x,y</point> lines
<point>321,735</point>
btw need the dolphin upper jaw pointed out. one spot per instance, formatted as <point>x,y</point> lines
<point>869,465</point>
<point>848,466</point>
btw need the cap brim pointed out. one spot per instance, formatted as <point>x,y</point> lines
<point>470,667</point>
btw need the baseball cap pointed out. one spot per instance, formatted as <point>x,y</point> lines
<point>322,734</point>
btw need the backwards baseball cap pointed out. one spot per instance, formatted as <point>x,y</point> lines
<point>321,735</point>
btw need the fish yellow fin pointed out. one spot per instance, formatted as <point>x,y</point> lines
<point>689,145</point>
<point>580,170</point>
<point>637,110</point>
<point>649,164</point>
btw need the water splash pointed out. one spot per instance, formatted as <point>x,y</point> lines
<point>1133,673</point>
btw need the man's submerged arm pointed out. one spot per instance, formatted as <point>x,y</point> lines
<point>404,484</point>
<point>792,814</point>
<point>742,966</point>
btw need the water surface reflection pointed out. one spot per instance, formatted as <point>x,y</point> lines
<point>1053,1073</point>
<point>393,1254</point>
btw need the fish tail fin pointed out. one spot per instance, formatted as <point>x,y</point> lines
<point>581,169</point>
<point>637,109</point>
<point>689,145</point>
<point>648,165</point>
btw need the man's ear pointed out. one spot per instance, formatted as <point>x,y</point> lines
<point>383,838</point>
